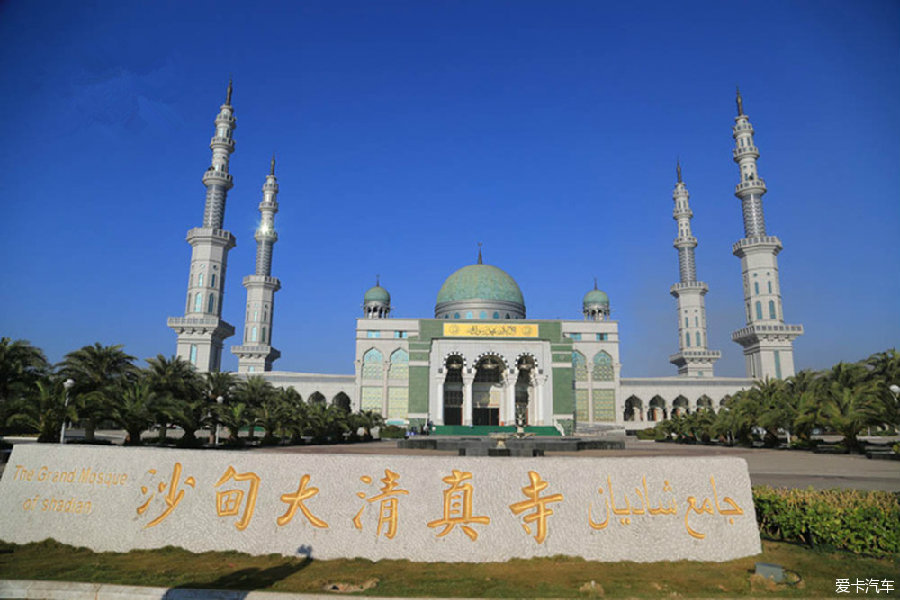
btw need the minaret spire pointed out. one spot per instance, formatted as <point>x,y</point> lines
<point>479,254</point>
<point>257,354</point>
<point>201,332</point>
<point>694,358</point>
<point>740,102</point>
<point>767,340</point>
<point>228,93</point>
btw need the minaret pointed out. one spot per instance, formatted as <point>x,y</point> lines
<point>201,332</point>
<point>767,340</point>
<point>694,358</point>
<point>256,354</point>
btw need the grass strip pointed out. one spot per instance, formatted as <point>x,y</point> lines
<point>557,577</point>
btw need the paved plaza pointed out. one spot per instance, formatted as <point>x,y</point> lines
<point>778,468</point>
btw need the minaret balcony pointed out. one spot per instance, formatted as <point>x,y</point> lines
<point>218,140</point>
<point>266,281</point>
<point>752,334</point>
<point>685,242</point>
<point>743,125</point>
<point>680,213</point>
<point>769,242</point>
<point>217,236</point>
<point>213,176</point>
<point>742,151</point>
<point>688,286</point>
<point>751,185</point>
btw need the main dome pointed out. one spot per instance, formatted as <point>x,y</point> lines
<point>480,292</point>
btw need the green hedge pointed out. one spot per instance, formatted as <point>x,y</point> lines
<point>856,521</point>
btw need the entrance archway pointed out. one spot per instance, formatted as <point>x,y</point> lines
<point>487,391</point>
<point>453,390</point>
<point>634,409</point>
<point>524,406</point>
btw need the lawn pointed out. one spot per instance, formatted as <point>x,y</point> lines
<point>548,577</point>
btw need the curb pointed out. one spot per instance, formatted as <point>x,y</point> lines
<point>27,589</point>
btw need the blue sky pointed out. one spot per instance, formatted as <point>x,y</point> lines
<point>407,132</point>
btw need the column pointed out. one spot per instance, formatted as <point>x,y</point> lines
<point>509,395</point>
<point>540,413</point>
<point>468,376</point>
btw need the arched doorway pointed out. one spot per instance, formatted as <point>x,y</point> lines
<point>453,390</point>
<point>524,406</point>
<point>342,401</point>
<point>704,402</point>
<point>634,409</point>
<point>657,409</point>
<point>487,391</point>
<point>316,398</point>
<point>680,407</point>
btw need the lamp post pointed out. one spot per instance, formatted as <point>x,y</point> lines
<point>68,383</point>
<point>219,401</point>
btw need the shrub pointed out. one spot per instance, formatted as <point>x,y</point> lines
<point>392,431</point>
<point>857,521</point>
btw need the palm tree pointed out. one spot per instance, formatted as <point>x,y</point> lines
<point>136,411</point>
<point>21,367</point>
<point>884,371</point>
<point>294,413</point>
<point>180,388</point>
<point>233,416</point>
<point>254,392</point>
<point>846,394</point>
<point>219,384</point>
<point>326,422</point>
<point>44,411</point>
<point>774,410</point>
<point>97,371</point>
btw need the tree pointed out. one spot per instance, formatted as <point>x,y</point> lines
<point>295,413</point>
<point>44,410</point>
<point>136,409</point>
<point>254,392</point>
<point>326,422</point>
<point>773,409</point>
<point>97,372</point>
<point>846,394</point>
<point>181,390</point>
<point>883,371</point>
<point>233,416</point>
<point>218,385</point>
<point>21,367</point>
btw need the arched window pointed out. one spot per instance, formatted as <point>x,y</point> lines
<point>263,338</point>
<point>687,339</point>
<point>603,367</point>
<point>211,304</point>
<point>758,310</point>
<point>372,361</point>
<point>483,315</point>
<point>400,364</point>
<point>193,354</point>
<point>579,364</point>
<point>496,315</point>
<point>770,287</point>
<point>200,280</point>
<point>198,302</point>
<point>686,322</point>
<point>696,321</point>
<point>698,339</point>
<point>455,315</point>
<point>212,280</point>
<point>253,334</point>
<point>507,315</point>
<point>772,309</point>
<point>469,314</point>
<point>756,287</point>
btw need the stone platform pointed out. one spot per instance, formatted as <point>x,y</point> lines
<point>528,446</point>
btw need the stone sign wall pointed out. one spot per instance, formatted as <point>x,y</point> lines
<point>380,507</point>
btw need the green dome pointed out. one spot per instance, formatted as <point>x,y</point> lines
<point>377,294</point>
<point>480,282</point>
<point>595,296</point>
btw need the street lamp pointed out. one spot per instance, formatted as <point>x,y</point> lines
<point>219,400</point>
<point>68,383</point>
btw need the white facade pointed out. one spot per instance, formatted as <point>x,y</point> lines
<point>498,367</point>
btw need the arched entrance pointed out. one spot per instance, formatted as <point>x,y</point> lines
<point>634,409</point>
<point>680,407</point>
<point>342,401</point>
<point>525,384</point>
<point>316,398</point>
<point>453,390</point>
<point>657,409</point>
<point>487,391</point>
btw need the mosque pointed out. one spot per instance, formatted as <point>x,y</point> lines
<point>480,361</point>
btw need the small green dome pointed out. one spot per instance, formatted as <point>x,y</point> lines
<point>595,296</point>
<point>377,294</point>
<point>480,282</point>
